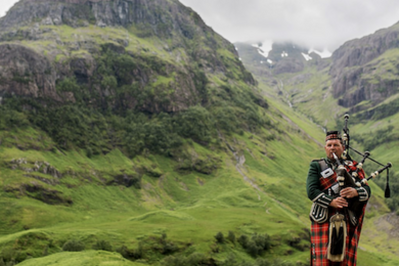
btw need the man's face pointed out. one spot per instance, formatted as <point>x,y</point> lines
<point>333,146</point>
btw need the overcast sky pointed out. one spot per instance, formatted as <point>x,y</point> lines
<point>5,5</point>
<point>317,23</point>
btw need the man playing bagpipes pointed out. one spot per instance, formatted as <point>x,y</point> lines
<point>339,192</point>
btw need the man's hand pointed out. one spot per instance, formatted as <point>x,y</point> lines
<point>339,203</point>
<point>349,192</point>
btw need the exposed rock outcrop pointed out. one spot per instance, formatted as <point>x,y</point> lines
<point>38,166</point>
<point>26,73</point>
<point>40,192</point>
<point>355,63</point>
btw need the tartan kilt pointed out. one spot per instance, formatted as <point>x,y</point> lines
<point>319,242</point>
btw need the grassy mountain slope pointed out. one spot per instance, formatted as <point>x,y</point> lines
<point>190,208</point>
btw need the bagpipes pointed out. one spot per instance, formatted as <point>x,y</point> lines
<point>338,222</point>
<point>365,155</point>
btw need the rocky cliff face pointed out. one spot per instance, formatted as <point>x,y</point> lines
<point>287,58</point>
<point>166,53</point>
<point>77,13</point>
<point>358,70</point>
<point>25,72</point>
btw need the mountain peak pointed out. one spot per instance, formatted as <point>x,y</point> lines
<point>281,57</point>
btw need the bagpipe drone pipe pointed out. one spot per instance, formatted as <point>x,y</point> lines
<point>365,156</point>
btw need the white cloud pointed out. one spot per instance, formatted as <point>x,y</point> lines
<point>314,23</point>
<point>5,5</point>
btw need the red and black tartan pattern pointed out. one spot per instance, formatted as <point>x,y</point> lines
<point>320,232</point>
<point>325,183</point>
<point>352,168</point>
<point>333,136</point>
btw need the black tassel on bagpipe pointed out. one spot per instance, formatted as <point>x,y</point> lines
<point>387,189</point>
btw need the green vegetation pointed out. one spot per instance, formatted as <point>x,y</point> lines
<point>73,245</point>
<point>381,111</point>
<point>385,135</point>
<point>190,197</point>
<point>73,125</point>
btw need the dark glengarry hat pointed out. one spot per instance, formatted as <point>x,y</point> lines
<point>333,135</point>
